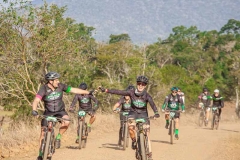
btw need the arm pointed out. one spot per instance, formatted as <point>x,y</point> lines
<point>78,91</point>
<point>222,102</point>
<point>116,106</point>
<point>119,92</point>
<point>74,102</point>
<point>165,103</point>
<point>35,103</point>
<point>181,104</point>
<point>152,104</point>
<point>95,102</point>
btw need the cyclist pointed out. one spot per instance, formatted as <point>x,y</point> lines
<point>181,94</point>
<point>125,104</point>
<point>204,101</point>
<point>51,94</point>
<point>139,99</point>
<point>173,101</point>
<point>217,101</point>
<point>85,104</point>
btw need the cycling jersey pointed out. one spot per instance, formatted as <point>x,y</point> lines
<point>173,102</point>
<point>53,99</point>
<point>84,101</point>
<point>138,102</point>
<point>125,106</point>
<point>205,99</point>
<point>217,101</point>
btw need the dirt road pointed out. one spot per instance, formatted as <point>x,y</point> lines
<point>194,144</point>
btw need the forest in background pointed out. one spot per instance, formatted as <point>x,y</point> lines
<point>38,39</point>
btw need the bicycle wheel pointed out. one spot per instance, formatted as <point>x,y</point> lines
<point>201,119</point>
<point>171,131</point>
<point>85,131</point>
<point>216,121</point>
<point>127,141</point>
<point>142,147</point>
<point>46,149</point>
<point>125,131</point>
<point>80,133</point>
<point>213,121</point>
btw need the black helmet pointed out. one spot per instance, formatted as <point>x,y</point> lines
<point>130,87</point>
<point>142,79</point>
<point>83,86</point>
<point>205,90</point>
<point>52,75</point>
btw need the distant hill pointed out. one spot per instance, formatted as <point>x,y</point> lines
<point>147,20</point>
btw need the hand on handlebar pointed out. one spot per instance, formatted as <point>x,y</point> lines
<point>34,113</point>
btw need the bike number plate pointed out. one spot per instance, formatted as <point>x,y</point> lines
<point>142,120</point>
<point>214,108</point>
<point>125,113</point>
<point>53,119</point>
<point>172,114</point>
<point>81,113</point>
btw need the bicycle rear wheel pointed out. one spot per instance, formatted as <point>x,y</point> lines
<point>125,139</point>
<point>142,147</point>
<point>46,149</point>
<point>85,131</point>
<point>80,133</point>
<point>171,131</point>
<point>201,119</point>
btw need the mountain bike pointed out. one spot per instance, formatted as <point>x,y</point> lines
<point>82,130</point>
<point>172,124</point>
<point>47,147</point>
<point>215,118</point>
<point>142,139</point>
<point>125,132</point>
<point>202,116</point>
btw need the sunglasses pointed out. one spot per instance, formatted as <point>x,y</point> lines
<point>174,92</point>
<point>140,83</point>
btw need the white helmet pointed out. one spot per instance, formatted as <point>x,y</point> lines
<point>216,91</point>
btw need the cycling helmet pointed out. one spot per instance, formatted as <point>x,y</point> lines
<point>52,75</point>
<point>216,91</point>
<point>130,87</point>
<point>83,86</point>
<point>174,89</point>
<point>205,90</point>
<point>143,79</point>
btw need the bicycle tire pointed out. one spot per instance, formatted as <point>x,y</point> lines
<point>217,121</point>
<point>127,142</point>
<point>171,130</point>
<point>125,136</point>
<point>201,119</point>
<point>142,147</point>
<point>46,148</point>
<point>85,131</point>
<point>80,131</point>
<point>213,121</point>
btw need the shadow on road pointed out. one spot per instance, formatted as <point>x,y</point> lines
<point>228,130</point>
<point>166,142</point>
<point>72,147</point>
<point>111,146</point>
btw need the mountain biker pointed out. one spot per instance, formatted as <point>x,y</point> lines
<point>204,101</point>
<point>173,101</point>
<point>139,99</point>
<point>181,94</point>
<point>123,105</point>
<point>85,104</point>
<point>51,94</point>
<point>217,101</point>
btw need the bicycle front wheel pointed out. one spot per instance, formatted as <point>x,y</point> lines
<point>142,147</point>
<point>46,149</point>
<point>201,119</point>
<point>213,121</point>
<point>125,139</point>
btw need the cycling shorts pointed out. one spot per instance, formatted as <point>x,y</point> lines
<point>58,114</point>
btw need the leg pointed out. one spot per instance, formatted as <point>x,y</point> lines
<point>62,129</point>
<point>92,119</point>
<point>132,133</point>
<point>207,113</point>
<point>167,119</point>
<point>219,111</point>
<point>176,128</point>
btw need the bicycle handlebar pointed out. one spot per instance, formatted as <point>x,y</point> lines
<point>61,119</point>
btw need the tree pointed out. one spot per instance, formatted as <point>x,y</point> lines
<point>118,38</point>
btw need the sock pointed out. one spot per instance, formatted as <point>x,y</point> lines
<point>40,153</point>
<point>58,136</point>
<point>89,125</point>
<point>167,121</point>
<point>176,131</point>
